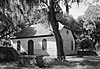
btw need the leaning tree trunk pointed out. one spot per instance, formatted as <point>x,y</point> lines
<point>69,22</point>
<point>55,26</point>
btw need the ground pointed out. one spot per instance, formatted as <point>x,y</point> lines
<point>72,62</point>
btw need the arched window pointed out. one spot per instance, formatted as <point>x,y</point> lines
<point>71,45</point>
<point>67,32</point>
<point>44,44</point>
<point>18,45</point>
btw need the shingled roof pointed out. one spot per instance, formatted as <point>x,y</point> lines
<point>34,30</point>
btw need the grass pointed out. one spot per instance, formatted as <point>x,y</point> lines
<point>54,64</point>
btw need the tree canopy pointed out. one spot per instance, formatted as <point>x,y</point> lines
<point>92,12</point>
<point>19,14</point>
<point>22,13</point>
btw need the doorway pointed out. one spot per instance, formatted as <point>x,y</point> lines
<point>30,47</point>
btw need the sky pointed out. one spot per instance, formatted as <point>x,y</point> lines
<point>76,10</point>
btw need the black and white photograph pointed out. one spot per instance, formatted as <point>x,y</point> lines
<point>49,34</point>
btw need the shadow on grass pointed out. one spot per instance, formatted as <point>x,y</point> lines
<point>86,64</point>
<point>90,63</point>
<point>61,63</point>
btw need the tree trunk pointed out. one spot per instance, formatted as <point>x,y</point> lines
<point>55,26</point>
<point>70,23</point>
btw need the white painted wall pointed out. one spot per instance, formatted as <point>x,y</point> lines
<point>67,38</point>
<point>51,44</point>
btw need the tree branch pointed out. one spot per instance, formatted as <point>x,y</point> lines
<point>46,4</point>
<point>69,22</point>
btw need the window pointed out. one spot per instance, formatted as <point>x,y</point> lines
<point>44,44</point>
<point>67,32</point>
<point>71,45</point>
<point>18,45</point>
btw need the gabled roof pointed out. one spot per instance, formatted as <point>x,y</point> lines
<point>34,30</point>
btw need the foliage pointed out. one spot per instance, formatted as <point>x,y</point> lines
<point>92,12</point>
<point>20,15</point>
<point>70,23</point>
<point>97,22</point>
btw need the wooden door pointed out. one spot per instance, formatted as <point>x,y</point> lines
<point>30,47</point>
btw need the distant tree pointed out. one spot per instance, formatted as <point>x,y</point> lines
<point>92,12</point>
<point>97,23</point>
